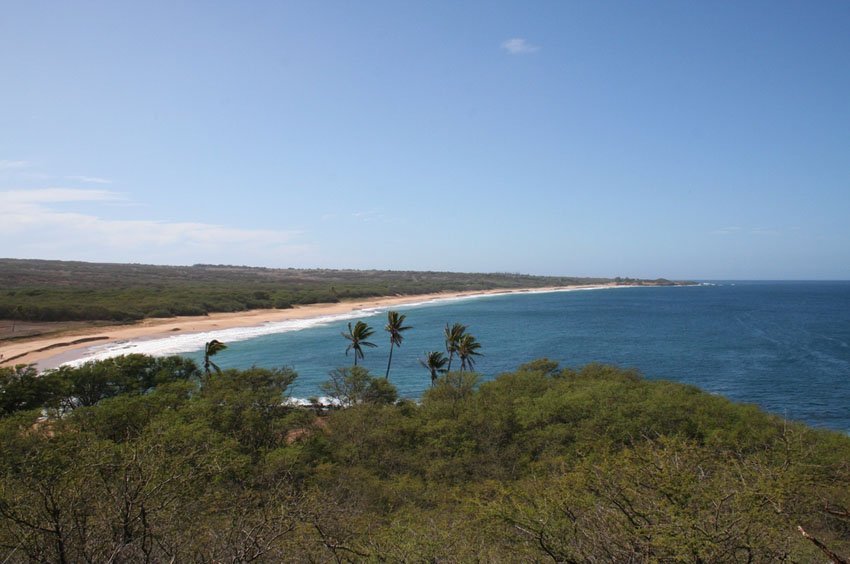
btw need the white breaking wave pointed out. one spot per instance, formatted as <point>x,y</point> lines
<point>191,342</point>
<point>322,400</point>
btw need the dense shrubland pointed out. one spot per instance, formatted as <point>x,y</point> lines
<point>142,459</point>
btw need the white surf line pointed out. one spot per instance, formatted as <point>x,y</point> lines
<point>192,342</point>
<point>499,294</point>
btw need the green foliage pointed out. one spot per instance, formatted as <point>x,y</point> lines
<point>125,417</point>
<point>22,388</point>
<point>467,349</point>
<point>452,336</point>
<point>130,374</point>
<point>452,387</point>
<point>249,405</point>
<point>435,362</point>
<point>356,338</point>
<point>588,465</point>
<point>212,348</point>
<point>352,386</point>
<point>395,327</point>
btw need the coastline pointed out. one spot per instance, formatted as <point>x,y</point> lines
<point>50,352</point>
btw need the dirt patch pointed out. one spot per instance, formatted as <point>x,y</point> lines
<point>319,424</point>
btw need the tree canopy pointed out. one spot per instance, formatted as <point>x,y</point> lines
<point>141,459</point>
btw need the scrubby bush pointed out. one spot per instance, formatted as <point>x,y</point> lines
<point>587,465</point>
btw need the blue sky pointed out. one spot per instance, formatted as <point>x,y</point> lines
<point>676,139</point>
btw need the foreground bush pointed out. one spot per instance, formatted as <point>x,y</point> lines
<point>594,464</point>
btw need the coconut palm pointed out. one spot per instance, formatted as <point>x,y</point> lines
<point>434,361</point>
<point>211,349</point>
<point>467,349</point>
<point>395,327</point>
<point>453,335</point>
<point>358,336</point>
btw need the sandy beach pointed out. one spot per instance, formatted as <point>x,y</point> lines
<point>49,352</point>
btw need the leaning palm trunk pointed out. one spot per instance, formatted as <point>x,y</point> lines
<point>389,361</point>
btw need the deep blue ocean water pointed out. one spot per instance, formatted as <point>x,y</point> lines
<point>784,346</point>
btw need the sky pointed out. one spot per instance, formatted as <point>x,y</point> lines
<point>700,140</point>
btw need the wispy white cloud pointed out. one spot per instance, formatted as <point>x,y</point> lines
<point>726,231</point>
<point>90,179</point>
<point>743,231</point>
<point>367,216</point>
<point>32,225</point>
<point>519,46</point>
<point>9,165</point>
<point>764,231</point>
<point>17,166</point>
<point>57,195</point>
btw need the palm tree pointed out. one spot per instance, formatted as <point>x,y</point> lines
<point>211,349</point>
<point>467,348</point>
<point>358,337</point>
<point>395,326</point>
<point>434,361</point>
<point>453,335</point>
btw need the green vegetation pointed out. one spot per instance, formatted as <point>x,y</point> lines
<point>435,362</point>
<point>212,348</point>
<point>142,459</point>
<point>54,291</point>
<point>353,386</point>
<point>453,336</point>
<point>395,327</point>
<point>356,338</point>
<point>467,350</point>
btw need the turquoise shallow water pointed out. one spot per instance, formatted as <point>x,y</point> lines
<point>782,345</point>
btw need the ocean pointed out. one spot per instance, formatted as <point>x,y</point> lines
<point>784,346</point>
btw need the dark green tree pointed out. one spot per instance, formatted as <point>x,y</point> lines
<point>249,405</point>
<point>211,349</point>
<point>453,335</point>
<point>92,382</point>
<point>357,339</point>
<point>435,362</point>
<point>467,350</point>
<point>352,386</point>
<point>395,327</point>
<point>22,388</point>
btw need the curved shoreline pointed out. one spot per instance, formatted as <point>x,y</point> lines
<point>50,352</point>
